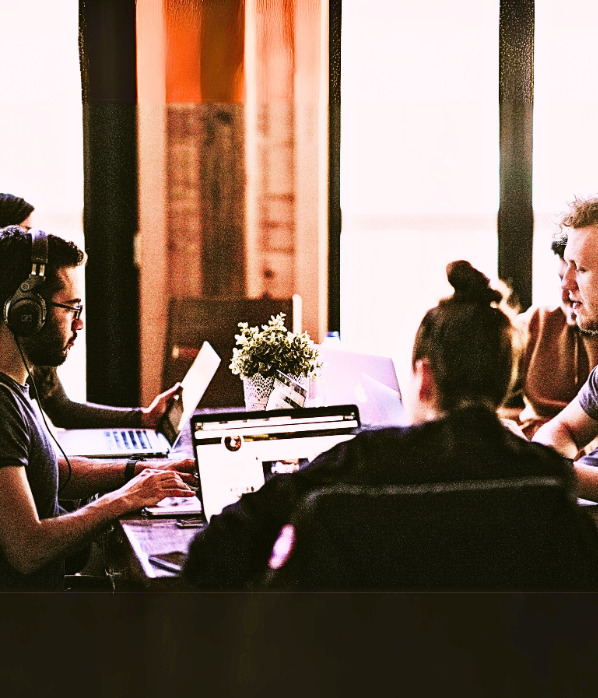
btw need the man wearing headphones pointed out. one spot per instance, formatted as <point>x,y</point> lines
<point>63,411</point>
<point>41,304</point>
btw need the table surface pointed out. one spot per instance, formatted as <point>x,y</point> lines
<point>133,539</point>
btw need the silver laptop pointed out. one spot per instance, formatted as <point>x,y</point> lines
<point>236,452</point>
<point>123,442</point>
<point>366,380</point>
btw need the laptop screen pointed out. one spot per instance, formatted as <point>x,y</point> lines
<point>236,452</point>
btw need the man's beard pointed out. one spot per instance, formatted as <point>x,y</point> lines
<point>47,348</point>
<point>590,329</point>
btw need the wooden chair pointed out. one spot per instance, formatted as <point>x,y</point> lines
<point>192,321</point>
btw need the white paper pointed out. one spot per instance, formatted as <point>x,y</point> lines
<point>172,506</point>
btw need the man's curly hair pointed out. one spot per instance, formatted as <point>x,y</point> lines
<point>581,213</point>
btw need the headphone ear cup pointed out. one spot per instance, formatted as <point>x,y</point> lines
<point>25,312</point>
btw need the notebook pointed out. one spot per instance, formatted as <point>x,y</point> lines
<point>367,380</point>
<point>236,452</point>
<point>123,442</point>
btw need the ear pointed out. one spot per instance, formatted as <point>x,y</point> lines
<point>425,384</point>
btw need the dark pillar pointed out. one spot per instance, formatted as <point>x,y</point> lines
<point>334,165</point>
<point>108,71</point>
<point>516,90</point>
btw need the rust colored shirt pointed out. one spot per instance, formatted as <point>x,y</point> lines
<point>556,362</point>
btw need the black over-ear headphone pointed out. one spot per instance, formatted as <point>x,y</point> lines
<point>25,311</point>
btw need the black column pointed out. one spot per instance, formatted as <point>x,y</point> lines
<point>108,71</point>
<point>516,90</point>
<point>334,164</point>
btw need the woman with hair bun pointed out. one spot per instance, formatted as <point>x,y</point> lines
<point>466,343</point>
<point>462,367</point>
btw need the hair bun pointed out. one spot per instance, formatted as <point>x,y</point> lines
<point>470,284</point>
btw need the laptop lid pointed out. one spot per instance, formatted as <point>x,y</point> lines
<point>193,387</point>
<point>236,452</point>
<point>367,380</point>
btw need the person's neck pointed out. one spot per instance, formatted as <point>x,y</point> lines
<point>11,361</point>
<point>426,412</point>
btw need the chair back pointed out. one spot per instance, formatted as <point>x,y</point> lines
<point>520,533</point>
<point>191,321</point>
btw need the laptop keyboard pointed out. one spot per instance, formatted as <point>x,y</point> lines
<point>131,439</point>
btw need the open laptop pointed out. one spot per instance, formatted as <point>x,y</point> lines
<point>124,442</point>
<point>236,452</point>
<point>367,380</point>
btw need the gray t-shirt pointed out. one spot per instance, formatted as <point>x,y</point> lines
<point>588,395</point>
<point>25,442</point>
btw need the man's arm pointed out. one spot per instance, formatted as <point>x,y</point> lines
<point>66,413</point>
<point>92,475</point>
<point>569,431</point>
<point>29,543</point>
<point>587,481</point>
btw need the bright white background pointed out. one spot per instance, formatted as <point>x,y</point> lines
<point>420,158</point>
<point>419,161</point>
<point>565,120</point>
<point>41,132</point>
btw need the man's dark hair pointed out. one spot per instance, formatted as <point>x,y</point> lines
<point>468,342</point>
<point>13,210</point>
<point>558,246</point>
<point>15,261</point>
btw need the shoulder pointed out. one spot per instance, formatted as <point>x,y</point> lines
<point>538,317</point>
<point>18,430</point>
<point>365,444</point>
<point>549,462</point>
<point>588,395</point>
<point>523,457</point>
<point>11,398</point>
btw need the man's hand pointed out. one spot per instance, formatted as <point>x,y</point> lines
<point>185,468</point>
<point>150,416</point>
<point>150,487</point>
<point>512,425</point>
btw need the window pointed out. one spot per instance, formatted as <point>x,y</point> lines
<point>565,142</point>
<point>41,138</point>
<point>419,161</point>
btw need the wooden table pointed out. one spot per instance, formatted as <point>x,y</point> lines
<point>130,543</point>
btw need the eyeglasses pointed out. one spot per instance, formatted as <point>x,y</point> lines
<point>76,309</point>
